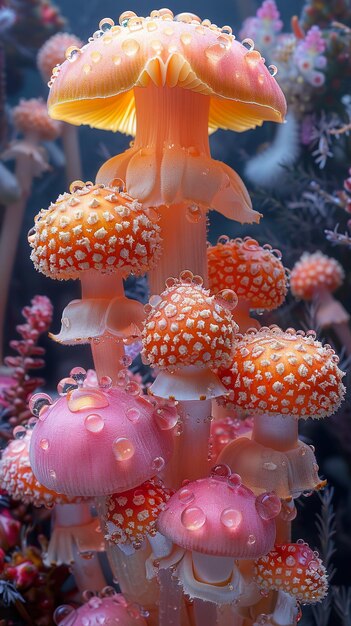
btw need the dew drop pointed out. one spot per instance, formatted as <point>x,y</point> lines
<point>76,185</point>
<point>133,415</point>
<point>193,214</point>
<point>105,382</point>
<point>39,404</point>
<point>193,518</point>
<point>94,423</point>
<point>52,474</point>
<point>248,43</point>
<point>106,24</point>
<point>231,518</point>
<point>78,374</point>
<point>151,26</point>
<point>155,300</point>
<point>158,464</point>
<point>72,53</point>
<point>251,540</point>
<point>130,47</point>
<point>19,432</point>
<point>125,17</point>
<point>268,506</point>
<point>227,298</point>
<point>272,70</point>
<point>96,56</point>
<point>186,496</point>
<point>126,360</point>
<point>166,417</point>
<point>123,449</point>
<point>135,24</point>
<point>133,388</point>
<point>252,58</point>
<point>44,444</point>
<point>185,38</point>
<point>116,59</point>
<point>235,480</point>
<point>65,385</point>
<point>82,399</point>
<point>86,70</point>
<point>221,470</point>
<point>62,612</point>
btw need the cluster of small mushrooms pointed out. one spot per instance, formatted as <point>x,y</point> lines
<point>194,482</point>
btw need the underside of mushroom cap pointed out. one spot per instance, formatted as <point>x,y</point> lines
<point>95,84</point>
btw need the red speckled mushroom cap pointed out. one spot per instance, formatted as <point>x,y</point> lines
<point>254,272</point>
<point>185,326</point>
<point>94,228</point>
<point>97,441</point>
<point>314,272</point>
<point>17,477</point>
<point>95,84</point>
<point>31,116</point>
<point>219,516</point>
<point>295,569</point>
<point>133,514</point>
<point>53,51</point>
<point>284,373</point>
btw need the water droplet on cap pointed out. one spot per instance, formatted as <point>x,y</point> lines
<point>155,300</point>
<point>65,385</point>
<point>193,518</point>
<point>158,464</point>
<point>268,506</point>
<point>186,496</point>
<point>248,43</point>
<point>78,374</point>
<point>83,398</point>
<point>221,470</point>
<point>72,53</point>
<point>62,612</point>
<point>106,24</point>
<point>94,423</point>
<point>234,480</point>
<point>272,70</point>
<point>44,444</point>
<point>105,382</point>
<point>52,474</point>
<point>133,415</point>
<point>123,449</point>
<point>130,47</point>
<point>193,213</point>
<point>251,540</point>
<point>231,518</point>
<point>166,417</point>
<point>38,405</point>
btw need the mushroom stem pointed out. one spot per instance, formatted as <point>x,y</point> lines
<point>285,610</point>
<point>72,152</point>
<point>190,458</point>
<point>107,351</point>
<point>170,599</point>
<point>242,316</point>
<point>279,432</point>
<point>184,246</point>
<point>77,518</point>
<point>205,613</point>
<point>10,233</point>
<point>213,569</point>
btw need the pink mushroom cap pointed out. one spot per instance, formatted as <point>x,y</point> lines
<point>97,610</point>
<point>97,441</point>
<point>220,516</point>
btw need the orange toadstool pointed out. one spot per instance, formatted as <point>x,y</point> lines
<point>254,272</point>
<point>297,573</point>
<point>100,235</point>
<point>190,77</point>
<point>314,278</point>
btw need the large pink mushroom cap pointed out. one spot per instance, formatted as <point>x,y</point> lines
<point>113,609</point>
<point>97,441</point>
<point>221,517</point>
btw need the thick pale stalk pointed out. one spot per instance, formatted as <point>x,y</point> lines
<point>107,353</point>
<point>343,333</point>
<point>279,432</point>
<point>170,599</point>
<point>184,246</point>
<point>227,616</point>
<point>190,457</point>
<point>205,613</point>
<point>72,153</point>
<point>86,571</point>
<point>285,611</point>
<point>182,121</point>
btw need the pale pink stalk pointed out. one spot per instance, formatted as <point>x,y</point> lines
<point>73,161</point>
<point>205,613</point>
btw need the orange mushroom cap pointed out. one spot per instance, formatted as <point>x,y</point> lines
<point>17,478</point>
<point>133,514</point>
<point>185,325</point>
<point>295,569</point>
<point>254,272</point>
<point>94,227</point>
<point>284,373</point>
<point>95,84</point>
<point>314,272</point>
<point>31,116</point>
<point>53,51</point>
